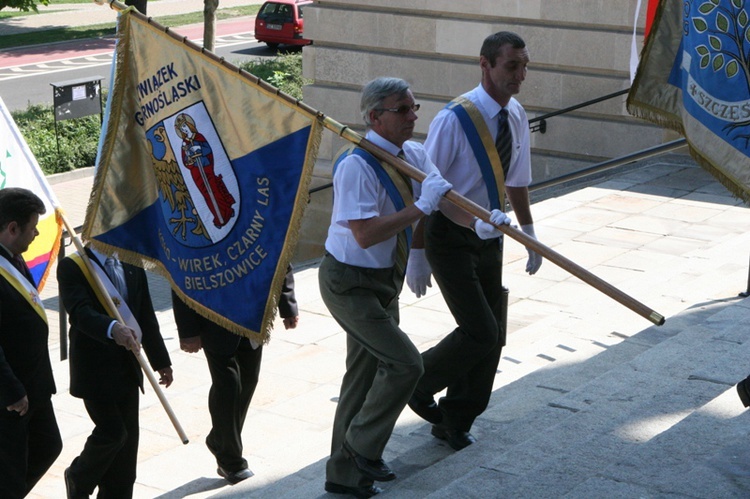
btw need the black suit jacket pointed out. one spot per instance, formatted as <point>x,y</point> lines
<point>217,339</point>
<point>100,369</point>
<point>25,367</point>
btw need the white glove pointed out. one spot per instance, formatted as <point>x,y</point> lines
<point>418,272</point>
<point>488,231</point>
<point>433,188</point>
<point>535,259</point>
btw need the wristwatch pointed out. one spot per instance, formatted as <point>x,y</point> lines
<point>473,224</point>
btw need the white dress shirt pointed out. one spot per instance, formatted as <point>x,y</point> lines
<point>451,152</point>
<point>359,195</point>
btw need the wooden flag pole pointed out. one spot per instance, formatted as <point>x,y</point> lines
<point>346,133</point>
<point>520,236</point>
<point>116,313</point>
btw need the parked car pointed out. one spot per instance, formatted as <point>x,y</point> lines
<point>280,22</point>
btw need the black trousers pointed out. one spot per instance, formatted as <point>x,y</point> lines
<point>110,455</point>
<point>468,271</point>
<point>233,381</point>
<point>29,445</point>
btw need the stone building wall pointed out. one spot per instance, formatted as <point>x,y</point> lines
<point>579,49</point>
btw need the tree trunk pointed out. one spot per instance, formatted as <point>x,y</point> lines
<point>209,23</point>
<point>138,4</point>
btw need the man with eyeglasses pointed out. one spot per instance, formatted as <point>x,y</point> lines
<point>361,278</point>
<point>480,143</point>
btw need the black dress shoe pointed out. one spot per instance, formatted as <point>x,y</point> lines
<point>743,390</point>
<point>426,408</point>
<point>71,491</point>
<point>363,492</point>
<point>457,439</point>
<point>234,477</point>
<point>374,469</point>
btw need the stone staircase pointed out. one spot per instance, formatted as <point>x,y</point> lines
<point>653,414</point>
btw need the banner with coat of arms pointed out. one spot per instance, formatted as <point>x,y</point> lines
<point>202,176</point>
<point>694,78</point>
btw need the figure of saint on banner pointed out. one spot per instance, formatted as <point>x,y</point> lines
<point>198,157</point>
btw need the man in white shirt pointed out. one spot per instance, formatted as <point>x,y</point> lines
<point>361,278</point>
<point>464,142</point>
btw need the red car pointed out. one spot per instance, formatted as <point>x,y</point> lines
<point>280,22</point>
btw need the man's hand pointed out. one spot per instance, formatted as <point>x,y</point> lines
<point>418,272</point>
<point>165,376</point>
<point>433,188</point>
<point>191,345</point>
<point>535,259</point>
<point>125,337</point>
<point>291,322</point>
<point>487,230</point>
<point>21,407</point>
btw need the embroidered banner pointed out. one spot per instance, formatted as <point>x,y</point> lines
<point>18,168</point>
<point>202,176</point>
<point>694,78</point>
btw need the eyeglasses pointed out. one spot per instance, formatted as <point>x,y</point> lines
<point>404,109</point>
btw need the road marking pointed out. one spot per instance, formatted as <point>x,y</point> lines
<point>103,59</point>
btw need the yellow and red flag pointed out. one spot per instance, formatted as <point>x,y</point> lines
<point>202,176</point>
<point>19,168</point>
<point>694,78</point>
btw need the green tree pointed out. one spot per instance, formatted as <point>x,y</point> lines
<point>23,5</point>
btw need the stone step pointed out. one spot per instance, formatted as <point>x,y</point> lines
<point>578,430</point>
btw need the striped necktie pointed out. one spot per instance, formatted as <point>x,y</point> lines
<point>116,274</point>
<point>504,140</point>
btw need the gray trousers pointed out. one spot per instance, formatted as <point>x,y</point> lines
<point>382,364</point>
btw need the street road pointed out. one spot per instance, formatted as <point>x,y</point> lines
<point>27,75</point>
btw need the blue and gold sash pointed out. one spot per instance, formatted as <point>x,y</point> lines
<point>483,146</point>
<point>23,286</point>
<point>397,186</point>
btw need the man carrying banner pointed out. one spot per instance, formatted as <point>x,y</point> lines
<point>103,370</point>
<point>480,143</point>
<point>29,436</point>
<point>234,364</point>
<point>361,278</point>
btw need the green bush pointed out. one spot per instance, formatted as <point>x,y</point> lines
<point>78,138</point>
<point>283,72</point>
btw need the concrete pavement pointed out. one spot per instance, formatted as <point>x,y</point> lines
<point>591,400</point>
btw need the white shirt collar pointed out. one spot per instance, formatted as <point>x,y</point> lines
<point>382,143</point>
<point>490,105</point>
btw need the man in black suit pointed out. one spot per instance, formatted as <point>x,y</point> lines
<point>234,364</point>
<point>29,436</point>
<point>104,371</point>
